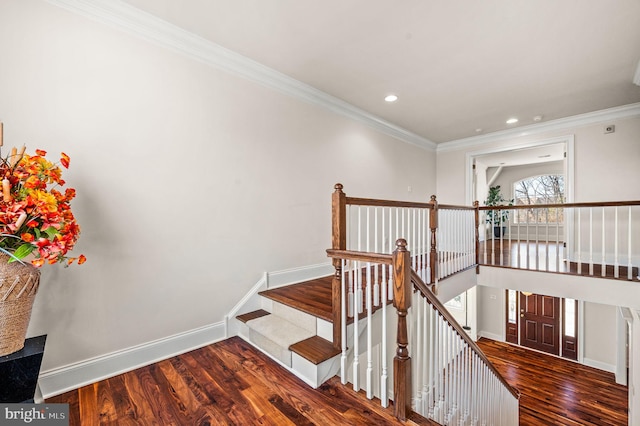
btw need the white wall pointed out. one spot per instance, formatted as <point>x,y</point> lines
<point>604,164</point>
<point>600,338</point>
<point>191,182</point>
<point>491,312</point>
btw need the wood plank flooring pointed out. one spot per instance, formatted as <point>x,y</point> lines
<point>542,256</point>
<point>228,383</point>
<point>312,297</point>
<point>557,391</point>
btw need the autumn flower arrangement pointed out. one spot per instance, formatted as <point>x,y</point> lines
<point>35,215</point>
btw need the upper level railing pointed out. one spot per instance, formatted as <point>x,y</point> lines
<point>595,239</point>
<point>441,238</point>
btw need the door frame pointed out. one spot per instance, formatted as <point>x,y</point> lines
<point>580,324</point>
<point>568,140</point>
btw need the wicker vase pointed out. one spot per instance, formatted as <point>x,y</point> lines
<point>18,287</point>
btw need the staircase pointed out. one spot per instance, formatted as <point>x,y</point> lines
<point>293,326</point>
<point>386,250</point>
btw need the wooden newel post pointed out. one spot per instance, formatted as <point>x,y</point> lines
<point>433,255</point>
<point>402,291</point>
<point>338,242</point>
<point>476,205</point>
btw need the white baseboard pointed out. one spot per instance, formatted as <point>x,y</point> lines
<point>252,301</point>
<point>296,275</point>
<point>491,336</point>
<point>599,365</point>
<point>63,379</point>
<point>73,376</point>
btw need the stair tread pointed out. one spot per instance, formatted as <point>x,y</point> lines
<point>279,330</point>
<point>315,349</point>
<point>252,315</point>
<point>312,297</point>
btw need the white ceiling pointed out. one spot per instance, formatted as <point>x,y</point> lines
<point>457,66</point>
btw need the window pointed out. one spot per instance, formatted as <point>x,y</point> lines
<point>457,302</point>
<point>512,314</point>
<point>545,189</point>
<point>570,317</point>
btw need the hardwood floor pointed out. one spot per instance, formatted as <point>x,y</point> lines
<point>312,297</point>
<point>556,391</point>
<point>542,256</point>
<point>228,383</point>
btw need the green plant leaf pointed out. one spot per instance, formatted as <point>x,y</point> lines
<point>51,232</point>
<point>22,252</point>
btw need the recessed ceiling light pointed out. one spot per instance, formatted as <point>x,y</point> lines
<point>512,120</point>
<point>478,130</point>
<point>391,98</point>
<point>537,118</point>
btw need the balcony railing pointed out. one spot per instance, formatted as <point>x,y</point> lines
<point>595,239</point>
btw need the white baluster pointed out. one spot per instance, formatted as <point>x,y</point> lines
<point>426,326</point>
<point>616,262</point>
<point>432,361</point>
<point>369,333</point>
<point>414,241</point>
<point>384,395</point>
<point>527,246</point>
<point>590,241</point>
<point>493,241</point>
<point>558,239</point>
<point>376,281</point>
<point>428,247</point>
<point>604,262</point>
<point>343,325</point>
<point>418,362</point>
<point>501,239</point>
<point>391,243</point>
<point>630,265</point>
<point>579,237</point>
<point>546,261</point>
<point>518,231</point>
<point>356,333</point>
<point>537,239</point>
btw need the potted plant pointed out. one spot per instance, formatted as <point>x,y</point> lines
<point>497,218</point>
<point>36,227</point>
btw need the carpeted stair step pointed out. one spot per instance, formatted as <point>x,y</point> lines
<point>275,335</point>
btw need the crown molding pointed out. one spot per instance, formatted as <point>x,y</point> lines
<point>123,16</point>
<point>567,123</point>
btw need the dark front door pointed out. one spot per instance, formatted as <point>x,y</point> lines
<point>540,323</point>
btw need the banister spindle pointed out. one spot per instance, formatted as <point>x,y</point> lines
<point>338,242</point>
<point>476,206</point>
<point>433,254</point>
<point>402,291</point>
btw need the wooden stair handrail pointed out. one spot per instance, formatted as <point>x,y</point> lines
<point>546,206</point>
<point>423,288</point>
<point>362,256</point>
<point>395,203</point>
